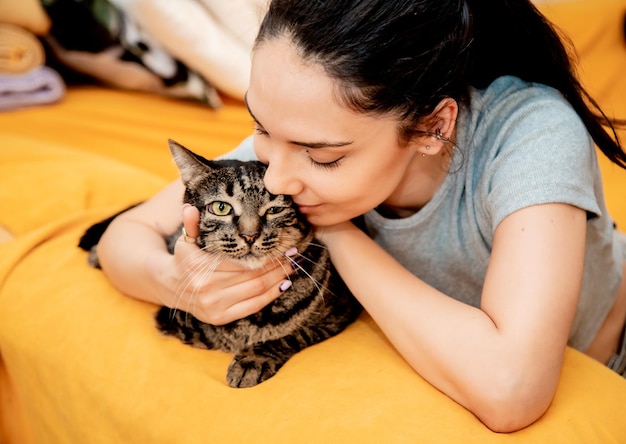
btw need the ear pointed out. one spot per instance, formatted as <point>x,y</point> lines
<point>440,128</point>
<point>189,164</point>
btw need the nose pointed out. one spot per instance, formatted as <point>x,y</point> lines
<point>282,178</point>
<point>249,238</point>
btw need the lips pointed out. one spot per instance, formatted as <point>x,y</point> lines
<point>306,208</point>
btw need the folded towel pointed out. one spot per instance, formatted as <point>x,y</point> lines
<point>20,50</point>
<point>38,86</point>
<point>28,14</point>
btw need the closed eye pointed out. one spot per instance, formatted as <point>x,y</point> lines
<point>326,165</point>
<point>258,130</point>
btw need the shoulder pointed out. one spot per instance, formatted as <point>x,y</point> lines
<point>513,105</point>
<point>515,118</point>
<point>244,152</point>
<point>528,146</point>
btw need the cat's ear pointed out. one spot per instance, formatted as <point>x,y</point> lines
<point>190,164</point>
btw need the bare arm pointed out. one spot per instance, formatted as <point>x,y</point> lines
<point>132,248</point>
<point>502,361</point>
<point>135,259</point>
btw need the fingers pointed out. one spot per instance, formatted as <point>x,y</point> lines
<point>191,220</point>
<point>217,290</point>
<point>186,238</point>
<point>226,296</point>
<point>234,308</point>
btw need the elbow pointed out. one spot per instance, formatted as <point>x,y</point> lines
<point>509,418</point>
<point>510,403</point>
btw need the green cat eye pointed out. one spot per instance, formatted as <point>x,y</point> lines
<point>220,208</point>
<point>275,210</point>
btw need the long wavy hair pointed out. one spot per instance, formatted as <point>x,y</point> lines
<point>405,56</point>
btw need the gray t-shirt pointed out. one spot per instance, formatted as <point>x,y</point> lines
<point>518,144</point>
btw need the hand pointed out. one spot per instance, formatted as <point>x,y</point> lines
<point>217,291</point>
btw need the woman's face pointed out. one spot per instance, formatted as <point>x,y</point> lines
<point>334,162</point>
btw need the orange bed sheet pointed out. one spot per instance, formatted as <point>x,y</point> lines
<point>80,363</point>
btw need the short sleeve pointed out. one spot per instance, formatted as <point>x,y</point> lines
<point>542,154</point>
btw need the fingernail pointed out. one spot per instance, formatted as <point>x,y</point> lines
<point>284,286</point>
<point>291,252</point>
<point>182,209</point>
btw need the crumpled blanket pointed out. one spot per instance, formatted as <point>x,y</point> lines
<point>185,49</point>
<point>82,363</point>
<point>97,39</point>
<point>212,37</point>
<point>39,86</point>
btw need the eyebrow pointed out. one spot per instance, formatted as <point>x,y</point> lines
<point>311,145</point>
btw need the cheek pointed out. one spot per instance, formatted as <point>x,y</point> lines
<point>346,195</point>
<point>362,192</point>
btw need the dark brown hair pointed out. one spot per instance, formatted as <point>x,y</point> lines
<point>405,56</point>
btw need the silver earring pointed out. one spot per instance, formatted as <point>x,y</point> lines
<point>427,147</point>
<point>440,136</point>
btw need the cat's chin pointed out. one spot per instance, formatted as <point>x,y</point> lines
<point>252,261</point>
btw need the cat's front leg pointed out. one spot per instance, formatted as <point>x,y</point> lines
<point>185,327</point>
<point>258,363</point>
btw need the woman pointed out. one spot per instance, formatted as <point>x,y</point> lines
<point>467,143</point>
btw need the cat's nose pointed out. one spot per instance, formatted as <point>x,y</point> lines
<point>249,238</point>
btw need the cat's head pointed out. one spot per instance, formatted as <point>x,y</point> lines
<point>239,218</point>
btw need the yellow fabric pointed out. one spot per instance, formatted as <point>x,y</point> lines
<point>597,31</point>
<point>80,363</point>
<point>20,50</point>
<point>28,14</point>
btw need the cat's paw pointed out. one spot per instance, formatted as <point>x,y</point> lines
<point>248,370</point>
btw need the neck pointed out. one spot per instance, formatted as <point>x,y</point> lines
<point>423,178</point>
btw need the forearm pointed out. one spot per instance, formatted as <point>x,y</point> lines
<point>456,347</point>
<point>132,251</point>
<point>129,255</point>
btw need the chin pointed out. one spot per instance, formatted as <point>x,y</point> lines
<point>316,219</point>
<point>323,221</point>
<point>252,262</point>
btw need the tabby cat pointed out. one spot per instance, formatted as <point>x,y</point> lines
<point>243,222</point>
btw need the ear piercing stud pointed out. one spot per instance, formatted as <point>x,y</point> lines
<point>440,136</point>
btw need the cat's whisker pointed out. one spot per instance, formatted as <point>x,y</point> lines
<point>305,259</point>
<point>203,272</point>
<point>206,272</point>
<point>264,341</point>
<point>275,259</point>
<point>198,267</point>
<point>321,288</point>
<point>314,244</point>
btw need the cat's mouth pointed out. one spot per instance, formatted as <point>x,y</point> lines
<point>252,259</point>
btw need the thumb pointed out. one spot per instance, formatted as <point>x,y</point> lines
<point>191,220</point>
